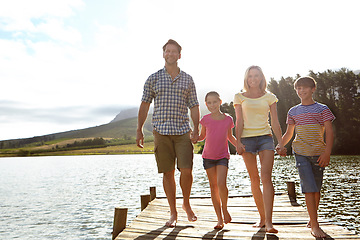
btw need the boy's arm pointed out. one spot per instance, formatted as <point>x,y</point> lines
<point>142,115</point>
<point>288,134</point>
<point>240,148</point>
<point>231,137</point>
<point>324,158</point>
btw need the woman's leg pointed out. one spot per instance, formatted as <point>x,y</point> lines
<point>251,166</point>
<point>267,162</point>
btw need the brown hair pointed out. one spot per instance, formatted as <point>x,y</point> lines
<point>305,82</point>
<point>263,81</point>
<point>170,41</point>
<point>212,93</point>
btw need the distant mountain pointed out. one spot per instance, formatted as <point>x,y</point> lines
<point>125,114</point>
<point>357,72</point>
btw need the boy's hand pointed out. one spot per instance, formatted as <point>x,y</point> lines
<point>324,160</point>
<point>281,150</point>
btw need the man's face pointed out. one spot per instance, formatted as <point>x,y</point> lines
<point>171,54</point>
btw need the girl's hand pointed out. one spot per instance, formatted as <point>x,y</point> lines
<point>281,150</point>
<point>240,148</point>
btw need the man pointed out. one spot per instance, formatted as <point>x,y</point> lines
<point>173,92</point>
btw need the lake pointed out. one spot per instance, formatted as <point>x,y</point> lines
<point>74,197</point>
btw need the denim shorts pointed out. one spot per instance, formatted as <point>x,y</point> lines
<point>311,174</point>
<point>258,143</point>
<point>209,163</point>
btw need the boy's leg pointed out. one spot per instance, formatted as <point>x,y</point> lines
<point>170,192</point>
<point>267,162</point>
<point>251,166</point>
<point>215,198</point>
<point>223,190</point>
<point>312,206</point>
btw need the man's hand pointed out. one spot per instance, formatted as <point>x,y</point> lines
<point>140,138</point>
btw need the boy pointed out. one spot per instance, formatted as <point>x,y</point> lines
<point>312,154</point>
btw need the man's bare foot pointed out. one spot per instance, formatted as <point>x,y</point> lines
<point>308,225</point>
<point>227,217</point>
<point>190,214</point>
<point>172,221</point>
<point>318,232</point>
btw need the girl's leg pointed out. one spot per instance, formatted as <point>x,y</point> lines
<point>223,190</point>
<point>212,176</point>
<point>267,162</point>
<point>251,166</point>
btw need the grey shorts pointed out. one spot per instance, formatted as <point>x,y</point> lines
<point>311,174</point>
<point>209,163</point>
<point>258,143</point>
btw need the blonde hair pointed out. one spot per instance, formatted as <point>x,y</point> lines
<point>262,84</point>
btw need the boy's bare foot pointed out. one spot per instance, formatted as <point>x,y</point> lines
<point>172,221</point>
<point>227,217</point>
<point>318,232</point>
<point>190,214</point>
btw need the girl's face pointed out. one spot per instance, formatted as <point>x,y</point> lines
<point>254,78</point>
<point>213,103</point>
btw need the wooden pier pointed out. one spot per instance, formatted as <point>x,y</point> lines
<point>288,217</point>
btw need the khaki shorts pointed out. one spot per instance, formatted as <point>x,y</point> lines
<point>171,148</point>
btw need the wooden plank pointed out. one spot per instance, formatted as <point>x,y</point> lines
<point>289,220</point>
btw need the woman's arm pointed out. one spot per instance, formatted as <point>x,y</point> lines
<point>240,148</point>
<point>275,125</point>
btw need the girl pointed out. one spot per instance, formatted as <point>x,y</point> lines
<point>253,134</point>
<point>216,127</point>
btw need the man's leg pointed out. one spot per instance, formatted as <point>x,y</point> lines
<point>186,180</point>
<point>169,185</point>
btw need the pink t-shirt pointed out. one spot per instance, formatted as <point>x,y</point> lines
<point>216,141</point>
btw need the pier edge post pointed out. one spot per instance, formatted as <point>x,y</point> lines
<point>291,190</point>
<point>145,199</point>
<point>120,217</point>
<point>152,193</point>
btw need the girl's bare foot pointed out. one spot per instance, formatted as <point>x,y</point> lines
<point>317,232</point>
<point>227,217</point>
<point>190,214</point>
<point>172,221</point>
<point>260,224</point>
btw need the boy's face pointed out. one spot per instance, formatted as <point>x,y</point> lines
<point>304,92</point>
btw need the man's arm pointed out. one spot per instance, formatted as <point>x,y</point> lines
<point>195,117</point>
<point>142,115</point>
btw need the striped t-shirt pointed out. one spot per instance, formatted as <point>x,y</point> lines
<point>309,128</point>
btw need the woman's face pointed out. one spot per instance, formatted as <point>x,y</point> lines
<point>254,78</point>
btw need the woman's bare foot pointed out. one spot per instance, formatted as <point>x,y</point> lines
<point>219,226</point>
<point>227,217</point>
<point>172,221</point>
<point>317,232</point>
<point>190,214</point>
<point>270,229</point>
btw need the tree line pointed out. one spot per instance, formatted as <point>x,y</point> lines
<point>339,90</point>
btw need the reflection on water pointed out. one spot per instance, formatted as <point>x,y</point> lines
<point>74,197</point>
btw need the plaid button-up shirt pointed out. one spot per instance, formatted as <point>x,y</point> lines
<point>172,98</point>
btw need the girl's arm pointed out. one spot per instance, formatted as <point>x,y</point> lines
<point>231,137</point>
<point>202,133</point>
<point>240,148</point>
<point>275,125</point>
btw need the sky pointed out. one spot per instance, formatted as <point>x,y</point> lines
<point>73,64</point>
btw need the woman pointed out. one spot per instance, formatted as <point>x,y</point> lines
<point>254,136</point>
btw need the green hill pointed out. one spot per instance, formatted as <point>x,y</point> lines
<point>122,130</point>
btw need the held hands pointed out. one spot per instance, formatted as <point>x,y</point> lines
<point>194,136</point>
<point>240,148</point>
<point>281,150</point>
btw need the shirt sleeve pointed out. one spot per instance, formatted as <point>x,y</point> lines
<point>237,99</point>
<point>327,115</point>
<point>148,92</point>
<point>272,99</point>
<point>193,101</point>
